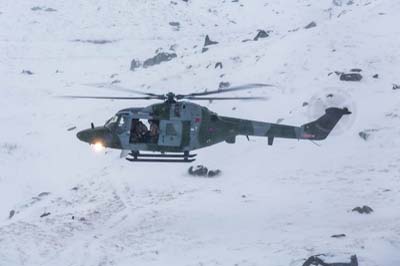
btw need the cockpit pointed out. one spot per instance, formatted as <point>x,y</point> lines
<point>117,122</point>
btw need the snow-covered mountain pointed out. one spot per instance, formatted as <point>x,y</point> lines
<point>273,205</point>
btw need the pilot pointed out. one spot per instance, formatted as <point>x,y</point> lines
<point>154,131</point>
<point>138,131</point>
<point>141,131</point>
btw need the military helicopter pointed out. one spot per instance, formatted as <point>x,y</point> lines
<point>179,126</point>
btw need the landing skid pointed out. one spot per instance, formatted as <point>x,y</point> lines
<point>185,157</point>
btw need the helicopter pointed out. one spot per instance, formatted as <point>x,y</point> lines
<point>179,126</point>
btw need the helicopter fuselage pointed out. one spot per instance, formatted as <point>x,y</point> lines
<point>185,126</point>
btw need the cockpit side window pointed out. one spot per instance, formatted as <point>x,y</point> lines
<point>112,122</point>
<point>122,123</point>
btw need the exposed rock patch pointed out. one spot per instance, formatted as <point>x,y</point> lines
<point>45,214</point>
<point>218,65</point>
<point>316,261</point>
<point>310,25</point>
<point>27,72</point>
<point>41,8</point>
<point>158,59</point>
<point>135,64</point>
<point>94,41</point>
<point>261,34</point>
<point>351,76</point>
<point>364,209</point>
<point>224,85</point>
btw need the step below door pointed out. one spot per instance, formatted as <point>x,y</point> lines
<point>170,133</point>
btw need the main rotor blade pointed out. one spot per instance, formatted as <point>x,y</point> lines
<point>235,88</point>
<point>110,97</point>
<point>224,98</point>
<point>119,88</point>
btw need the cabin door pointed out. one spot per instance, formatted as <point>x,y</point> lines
<point>170,133</point>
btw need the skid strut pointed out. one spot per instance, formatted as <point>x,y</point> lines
<point>185,157</point>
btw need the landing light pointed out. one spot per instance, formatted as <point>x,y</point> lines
<point>98,147</point>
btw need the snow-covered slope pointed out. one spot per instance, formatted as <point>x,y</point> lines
<point>273,205</point>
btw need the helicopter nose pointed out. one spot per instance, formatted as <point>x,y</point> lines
<point>84,135</point>
<point>96,135</point>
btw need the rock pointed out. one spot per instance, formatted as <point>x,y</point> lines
<point>218,64</point>
<point>135,64</point>
<point>311,25</point>
<point>350,77</point>
<point>329,95</point>
<point>94,41</point>
<point>27,72</point>
<point>363,209</point>
<point>364,135</point>
<point>11,215</point>
<point>224,85</point>
<point>375,76</point>
<point>305,104</point>
<point>208,41</point>
<point>261,34</point>
<point>158,59</point>
<point>45,214</point>
<point>43,194</point>
<point>315,260</point>
<point>175,25</point>
<point>356,70</point>
<point>337,2</point>
<point>396,86</point>
<point>49,9</point>
<point>338,235</point>
<point>115,81</point>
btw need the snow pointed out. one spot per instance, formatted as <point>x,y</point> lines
<point>273,205</point>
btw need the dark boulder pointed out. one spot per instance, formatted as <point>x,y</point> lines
<point>351,76</point>
<point>208,41</point>
<point>311,25</point>
<point>135,64</point>
<point>11,215</point>
<point>261,34</point>
<point>338,235</point>
<point>316,261</point>
<point>364,135</point>
<point>158,59</point>
<point>45,214</point>
<point>218,65</point>
<point>27,72</point>
<point>396,87</point>
<point>223,85</point>
<point>363,209</point>
<point>375,76</point>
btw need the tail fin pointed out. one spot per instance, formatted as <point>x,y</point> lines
<point>320,128</point>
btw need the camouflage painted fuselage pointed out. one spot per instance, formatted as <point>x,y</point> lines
<point>186,126</point>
